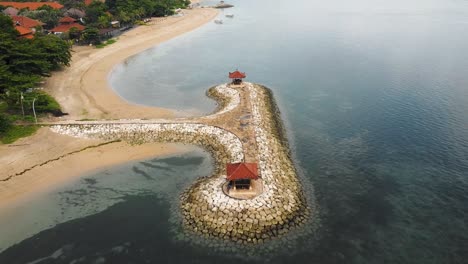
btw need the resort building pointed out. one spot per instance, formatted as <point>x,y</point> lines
<point>31,5</point>
<point>27,22</point>
<point>65,24</point>
<point>24,32</point>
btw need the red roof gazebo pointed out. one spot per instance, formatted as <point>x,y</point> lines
<point>241,171</point>
<point>240,175</point>
<point>237,77</point>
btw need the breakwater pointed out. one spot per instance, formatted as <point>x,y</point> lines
<point>205,209</point>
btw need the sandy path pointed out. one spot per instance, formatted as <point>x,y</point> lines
<point>83,92</point>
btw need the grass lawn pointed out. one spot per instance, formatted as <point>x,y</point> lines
<point>102,45</point>
<point>16,132</point>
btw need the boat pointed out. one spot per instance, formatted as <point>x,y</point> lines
<point>230,15</point>
<point>222,4</point>
<point>218,21</point>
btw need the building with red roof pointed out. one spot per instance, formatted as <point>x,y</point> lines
<point>67,20</point>
<point>67,23</point>
<point>240,177</point>
<point>88,2</point>
<point>241,171</point>
<point>236,77</point>
<point>27,22</point>
<point>31,5</point>
<point>24,32</point>
<point>66,28</point>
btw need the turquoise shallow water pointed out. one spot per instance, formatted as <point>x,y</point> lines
<point>375,98</point>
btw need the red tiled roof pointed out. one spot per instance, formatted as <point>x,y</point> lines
<point>26,21</point>
<point>239,171</point>
<point>88,2</point>
<point>24,32</point>
<point>31,5</point>
<point>67,27</point>
<point>237,75</point>
<point>67,19</point>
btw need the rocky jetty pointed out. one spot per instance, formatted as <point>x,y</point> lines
<point>205,209</point>
<point>208,211</point>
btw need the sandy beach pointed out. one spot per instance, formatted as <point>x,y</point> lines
<point>38,163</point>
<point>82,89</point>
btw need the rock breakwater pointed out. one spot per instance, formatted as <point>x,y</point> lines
<point>281,206</point>
<point>205,209</point>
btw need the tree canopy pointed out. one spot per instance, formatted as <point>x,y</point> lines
<point>23,62</point>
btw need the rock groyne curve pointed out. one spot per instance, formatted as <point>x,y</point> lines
<point>205,209</point>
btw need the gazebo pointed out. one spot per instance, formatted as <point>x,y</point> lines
<point>236,77</point>
<point>240,175</point>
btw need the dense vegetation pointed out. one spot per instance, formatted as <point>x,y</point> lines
<point>23,64</point>
<point>100,14</point>
<point>132,10</point>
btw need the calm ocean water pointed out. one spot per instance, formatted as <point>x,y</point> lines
<point>375,98</point>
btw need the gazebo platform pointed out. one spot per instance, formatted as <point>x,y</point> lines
<point>242,194</point>
<point>231,85</point>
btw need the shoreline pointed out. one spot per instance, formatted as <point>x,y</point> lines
<point>81,157</point>
<point>92,97</point>
<point>72,88</point>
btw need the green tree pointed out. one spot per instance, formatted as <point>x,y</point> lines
<point>104,21</point>
<point>131,10</point>
<point>24,62</point>
<point>91,35</point>
<point>73,3</point>
<point>6,24</point>
<point>5,123</point>
<point>94,11</point>
<point>74,33</point>
<point>54,50</point>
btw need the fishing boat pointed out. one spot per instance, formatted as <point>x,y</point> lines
<point>230,15</point>
<point>218,21</point>
<point>222,4</point>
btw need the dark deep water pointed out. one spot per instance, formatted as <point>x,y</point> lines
<point>375,98</point>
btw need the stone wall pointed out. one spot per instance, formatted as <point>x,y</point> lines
<point>224,146</point>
